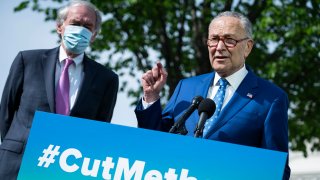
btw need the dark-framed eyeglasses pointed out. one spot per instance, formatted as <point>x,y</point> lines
<point>228,42</point>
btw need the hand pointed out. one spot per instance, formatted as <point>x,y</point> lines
<point>153,82</point>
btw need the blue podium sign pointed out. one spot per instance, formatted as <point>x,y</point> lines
<point>62,147</point>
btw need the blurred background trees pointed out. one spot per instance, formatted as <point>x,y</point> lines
<point>137,33</point>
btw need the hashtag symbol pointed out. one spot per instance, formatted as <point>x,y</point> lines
<point>48,156</point>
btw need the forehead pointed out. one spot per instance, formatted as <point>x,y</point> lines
<point>226,26</point>
<point>81,13</point>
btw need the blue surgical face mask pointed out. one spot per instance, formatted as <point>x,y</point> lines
<point>76,38</point>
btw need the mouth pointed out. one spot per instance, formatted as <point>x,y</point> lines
<point>220,57</point>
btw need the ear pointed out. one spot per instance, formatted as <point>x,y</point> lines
<point>93,37</point>
<point>248,48</point>
<point>59,28</point>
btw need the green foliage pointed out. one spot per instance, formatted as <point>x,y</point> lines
<point>135,34</point>
<point>21,6</point>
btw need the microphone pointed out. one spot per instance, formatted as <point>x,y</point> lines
<point>206,109</point>
<point>179,127</point>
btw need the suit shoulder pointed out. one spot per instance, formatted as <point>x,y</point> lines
<point>105,71</point>
<point>38,51</point>
<point>37,54</point>
<point>202,77</point>
<point>34,56</point>
<point>269,86</point>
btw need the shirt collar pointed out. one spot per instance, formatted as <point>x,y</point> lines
<point>234,79</point>
<point>63,55</point>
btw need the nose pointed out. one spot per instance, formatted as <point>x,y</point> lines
<point>221,45</point>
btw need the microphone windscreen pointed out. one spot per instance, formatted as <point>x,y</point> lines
<point>196,101</point>
<point>208,106</point>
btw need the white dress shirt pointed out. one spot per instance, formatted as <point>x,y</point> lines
<point>234,82</point>
<point>75,74</point>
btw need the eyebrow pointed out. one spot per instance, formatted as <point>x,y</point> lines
<point>225,35</point>
<point>82,23</point>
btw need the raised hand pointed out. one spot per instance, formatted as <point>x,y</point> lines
<point>153,82</point>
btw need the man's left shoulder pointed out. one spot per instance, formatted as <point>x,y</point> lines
<point>99,68</point>
<point>270,87</point>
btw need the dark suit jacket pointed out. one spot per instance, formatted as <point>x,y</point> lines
<point>31,86</point>
<point>255,116</point>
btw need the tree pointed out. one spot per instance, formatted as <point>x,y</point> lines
<point>286,35</point>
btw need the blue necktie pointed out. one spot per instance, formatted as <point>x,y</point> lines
<point>218,99</point>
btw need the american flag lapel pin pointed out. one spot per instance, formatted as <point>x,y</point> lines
<point>250,95</point>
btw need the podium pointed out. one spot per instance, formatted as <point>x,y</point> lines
<point>63,147</point>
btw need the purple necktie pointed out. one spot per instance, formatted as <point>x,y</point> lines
<point>62,93</point>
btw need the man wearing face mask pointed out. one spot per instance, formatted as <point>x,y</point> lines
<point>62,80</point>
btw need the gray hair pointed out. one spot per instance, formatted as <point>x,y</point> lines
<point>243,20</point>
<point>63,12</point>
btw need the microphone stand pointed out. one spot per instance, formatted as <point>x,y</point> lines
<point>179,129</point>
<point>198,132</point>
<point>200,126</point>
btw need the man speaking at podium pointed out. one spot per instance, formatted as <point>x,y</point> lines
<point>62,80</point>
<point>249,110</point>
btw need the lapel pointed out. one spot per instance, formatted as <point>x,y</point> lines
<point>243,95</point>
<point>201,89</point>
<point>89,72</point>
<point>49,60</point>
<point>204,85</point>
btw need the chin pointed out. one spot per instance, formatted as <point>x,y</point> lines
<point>219,67</point>
<point>221,71</point>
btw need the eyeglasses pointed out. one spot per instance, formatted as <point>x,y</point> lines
<point>229,42</point>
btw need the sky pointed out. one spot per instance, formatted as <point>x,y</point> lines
<point>27,30</point>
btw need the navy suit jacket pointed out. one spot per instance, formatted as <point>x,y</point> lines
<point>31,86</point>
<point>256,115</point>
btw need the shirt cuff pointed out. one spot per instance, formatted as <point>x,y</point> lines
<point>145,104</point>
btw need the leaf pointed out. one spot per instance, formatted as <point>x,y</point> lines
<point>21,6</point>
